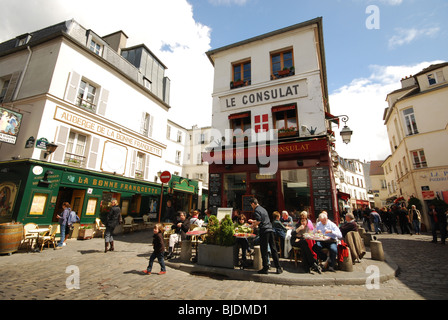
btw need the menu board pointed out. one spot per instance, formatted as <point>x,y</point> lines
<point>322,194</point>
<point>214,198</point>
<point>246,203</point>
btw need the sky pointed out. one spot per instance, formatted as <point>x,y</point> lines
<point>369,46</point>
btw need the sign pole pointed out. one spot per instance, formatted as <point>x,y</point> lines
<point>160,203</point>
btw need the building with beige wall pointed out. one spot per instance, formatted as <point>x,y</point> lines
<point>417,126</point>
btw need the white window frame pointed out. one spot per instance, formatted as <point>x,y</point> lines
<point>435,77</point>
<point>95,47</point>
<point>179,136</point>
<point>178,157</point>
<point>140,165</point>
<point>410,122</point>
<point>82,98</point>
<point>73,158</point>
<point>418,155</point>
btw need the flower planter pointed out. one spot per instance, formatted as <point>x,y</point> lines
<point>283,72</point>
<point>287,134</point>
<point>215,256</point>
<point>84,234</point>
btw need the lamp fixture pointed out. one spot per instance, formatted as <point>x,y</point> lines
<point>50,148</point>
<point>346,132</point>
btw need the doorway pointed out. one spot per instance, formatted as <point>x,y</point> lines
<point>74,196</point>
<point>266,194</point>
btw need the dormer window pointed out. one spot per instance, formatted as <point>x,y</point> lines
<point>95,47</point>
<point>435,78</point>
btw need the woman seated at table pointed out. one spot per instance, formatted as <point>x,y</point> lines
<point>297,240</point>
<point>242,224</point>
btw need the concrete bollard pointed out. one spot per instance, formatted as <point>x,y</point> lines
<point>347,263</point>
<point>376,250</point>
<point>367,237</point>
<point>361,231</point>
<point>186,250</point>
<point>258,262</point>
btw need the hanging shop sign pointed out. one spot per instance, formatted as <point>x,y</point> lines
<point>10,122</point>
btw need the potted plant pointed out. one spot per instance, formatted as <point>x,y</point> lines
<point>85,232</point>
<point>217,249</point>
<point>285,132</point>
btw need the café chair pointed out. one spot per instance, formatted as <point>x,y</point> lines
<point>49,237</point>
<point>146,222</point>
<point>99,227</point>
<point>129,224</point>
<point>29,238</point>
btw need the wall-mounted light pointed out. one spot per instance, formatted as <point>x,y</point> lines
<point>346,132</point>
<point>51,147</point>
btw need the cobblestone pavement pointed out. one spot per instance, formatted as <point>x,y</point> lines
<point>51,275</point>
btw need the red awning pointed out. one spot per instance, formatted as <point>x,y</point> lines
<point>332,118</point>
<point>343,196</point>
<point>239,115</point>
<point>283,108</point>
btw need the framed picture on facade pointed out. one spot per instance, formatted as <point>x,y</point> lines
<point>10,122</point>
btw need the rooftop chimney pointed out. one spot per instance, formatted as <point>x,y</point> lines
<point>116,40</point>
<point>408,82</point>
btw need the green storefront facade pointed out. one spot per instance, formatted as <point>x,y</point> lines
<point>33,191</point>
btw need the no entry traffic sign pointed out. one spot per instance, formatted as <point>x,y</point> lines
<point>165,177</point>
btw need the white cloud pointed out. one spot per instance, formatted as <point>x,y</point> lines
<point>166,27</point>
<point>364,101</point>
<point>406,36</point>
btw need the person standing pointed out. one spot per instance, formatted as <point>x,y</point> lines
<point>170,213</point>
<point>415,218</point>
<point>404,220</point>
<point>266,234</point>
<point>438,222</point>
<point>113,218</point>
<point>159,249</point>
<point>63,223</point>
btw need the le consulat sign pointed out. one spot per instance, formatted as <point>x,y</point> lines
<point>265,95</point>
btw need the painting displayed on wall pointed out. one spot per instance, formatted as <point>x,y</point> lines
<point>10,122</point>
<point>8,194</point>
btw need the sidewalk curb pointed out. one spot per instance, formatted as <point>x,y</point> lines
<point>387,270</point>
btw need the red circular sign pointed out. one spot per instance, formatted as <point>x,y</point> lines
<point>165,177</point>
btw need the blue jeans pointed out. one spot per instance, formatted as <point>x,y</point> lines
<point>62,227</point>
<point>159,257</point>
<point>416,224</point>
<point>332,246</point>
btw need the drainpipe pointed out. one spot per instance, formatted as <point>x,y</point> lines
<point>19,84</point>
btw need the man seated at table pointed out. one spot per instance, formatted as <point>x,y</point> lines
<point>350,225</point>
<point>181,227</point>
<point>329,229</point>
<point>286,219</point>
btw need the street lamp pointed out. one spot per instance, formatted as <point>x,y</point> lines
<point>346,132</point>
<point>50,148</point>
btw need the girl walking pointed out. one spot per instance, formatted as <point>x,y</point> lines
<point>159,249</point>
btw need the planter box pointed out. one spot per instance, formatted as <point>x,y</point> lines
<point>84,234</point>
<point>215,256</point>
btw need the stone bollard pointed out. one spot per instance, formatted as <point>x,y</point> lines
<point>347,263</point>
<point>258,262</point>
<point>376,250</point>
<point>185,251</point>
<point>367,237</point>
<point>361,231</point>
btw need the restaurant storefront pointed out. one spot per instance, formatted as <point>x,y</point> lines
<point>303,181</point>
<point>35,190</point>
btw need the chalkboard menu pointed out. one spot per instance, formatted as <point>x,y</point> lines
<point>246,203</point>
<point>214,199</point>
<point>321,186</point>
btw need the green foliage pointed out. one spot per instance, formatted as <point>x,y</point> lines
<point>220,233</point>
<point>416,202</point>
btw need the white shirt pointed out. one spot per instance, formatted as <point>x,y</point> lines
<point>335,232</point>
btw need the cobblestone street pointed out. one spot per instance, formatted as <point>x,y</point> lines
<point>423,274</point>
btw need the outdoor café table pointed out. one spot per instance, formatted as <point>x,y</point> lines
<point>197,234</point>
<point>38,231</point>
<point>316,237</point>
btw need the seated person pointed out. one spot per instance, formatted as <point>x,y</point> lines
<point>310,263</point>
<point>279,230</point>
<point>328,228</point>
<point>180,228</point>
<point>350,225</point>
<point>194,219</point>
<point>242,242</point>
<point>286,219</point>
